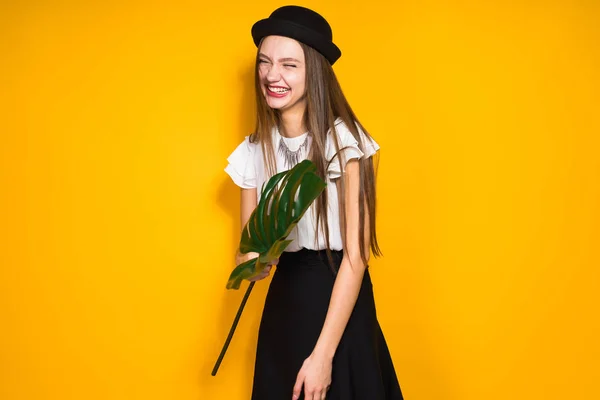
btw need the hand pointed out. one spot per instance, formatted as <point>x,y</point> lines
<point>315,375</point>
<point>241,258</point>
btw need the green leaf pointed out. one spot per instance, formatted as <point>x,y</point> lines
<point>275,251</point>
<point>284,200</point>
<point>243,271</point>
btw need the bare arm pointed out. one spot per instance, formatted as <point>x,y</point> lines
<point>247,205</point>
<point>350,275</point>
<point>315,373</point>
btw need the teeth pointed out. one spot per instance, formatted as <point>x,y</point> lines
<point>278,90</point>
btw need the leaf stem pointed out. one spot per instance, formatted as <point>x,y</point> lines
<point>232,330</point>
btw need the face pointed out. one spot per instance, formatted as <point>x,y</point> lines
<point>281,70</point>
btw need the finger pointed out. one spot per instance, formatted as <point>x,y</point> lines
<point>258,277</point>
<point>298,387</point>
<point>319,394</point>
<point>316,394</point>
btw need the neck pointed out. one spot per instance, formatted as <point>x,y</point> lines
<point>292,122</point>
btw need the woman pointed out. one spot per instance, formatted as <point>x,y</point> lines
<point>319,336</point>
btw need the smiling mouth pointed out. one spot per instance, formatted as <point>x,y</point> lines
<point>277,90</point>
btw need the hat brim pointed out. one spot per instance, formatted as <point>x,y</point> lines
<point>279,27</point>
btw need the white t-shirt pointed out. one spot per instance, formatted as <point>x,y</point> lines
<point>247,169</point>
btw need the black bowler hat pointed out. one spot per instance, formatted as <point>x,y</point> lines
<point>302,24</point>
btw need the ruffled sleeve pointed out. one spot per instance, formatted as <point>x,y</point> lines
<point>346,139</point>
<point>241,166</point>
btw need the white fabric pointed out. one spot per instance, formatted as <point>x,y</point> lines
<point>247,169</point>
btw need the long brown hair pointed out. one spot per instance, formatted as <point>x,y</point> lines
<point>325,103</point>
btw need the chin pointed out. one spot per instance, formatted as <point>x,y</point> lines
<point>276,105</point>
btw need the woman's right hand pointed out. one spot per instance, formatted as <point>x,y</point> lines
<point>241,258</point>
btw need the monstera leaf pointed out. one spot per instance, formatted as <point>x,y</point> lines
<point>284,200</point>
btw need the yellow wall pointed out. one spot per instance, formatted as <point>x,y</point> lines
<point>119,224</point>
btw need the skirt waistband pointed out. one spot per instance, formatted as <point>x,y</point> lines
<point>304,252</point>
<point>309,258</point>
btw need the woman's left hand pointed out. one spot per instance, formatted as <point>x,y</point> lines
<point>315,375</point>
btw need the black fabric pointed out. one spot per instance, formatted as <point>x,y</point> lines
<point>293,315</point>
<point>302,24</point>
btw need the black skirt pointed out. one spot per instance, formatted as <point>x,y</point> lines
<point>292,319</point>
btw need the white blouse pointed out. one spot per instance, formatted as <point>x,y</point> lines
<point>247,169</point>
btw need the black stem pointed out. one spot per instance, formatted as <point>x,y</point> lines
<point>232,330</point>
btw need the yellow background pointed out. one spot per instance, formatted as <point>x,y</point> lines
<point>119,223</point>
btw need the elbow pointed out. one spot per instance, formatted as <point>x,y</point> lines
<point>356,262</point>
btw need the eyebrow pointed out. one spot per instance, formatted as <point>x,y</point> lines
<point>281,59</point>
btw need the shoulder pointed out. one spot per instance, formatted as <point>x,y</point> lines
<point>249,150</point>
<point>345,138</point>
<point>347,147</point>
<point>340,127</point>
<point>241,163</point>
<point>247,147</point>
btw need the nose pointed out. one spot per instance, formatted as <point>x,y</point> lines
<point>273,74</point>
